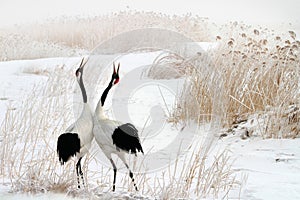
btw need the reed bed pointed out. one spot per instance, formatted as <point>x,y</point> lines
<point>249,71</point>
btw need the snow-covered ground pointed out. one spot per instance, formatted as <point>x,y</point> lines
<point>272,167</point>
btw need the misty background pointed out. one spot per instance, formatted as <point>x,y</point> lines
<point>249,11</point>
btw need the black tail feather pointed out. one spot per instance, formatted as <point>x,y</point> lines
<point>68,144</point>
<point>126,137</point>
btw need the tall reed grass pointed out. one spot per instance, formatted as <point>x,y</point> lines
<point>71,36</point>
<point>249,71</point>
<point>28,154</point>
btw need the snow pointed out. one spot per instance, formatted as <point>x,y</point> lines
<point>10,196</point>
<point>271,166</point>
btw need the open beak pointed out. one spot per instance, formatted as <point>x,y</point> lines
<point>117,68</point>
<point>83,62</point>
<point>116,72</point>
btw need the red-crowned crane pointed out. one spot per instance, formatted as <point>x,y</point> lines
<point>77,139</point>
<point>114,137</point>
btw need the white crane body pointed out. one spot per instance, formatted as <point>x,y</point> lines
<point>114,137</point>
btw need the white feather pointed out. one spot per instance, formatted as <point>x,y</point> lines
<point>103,130</point>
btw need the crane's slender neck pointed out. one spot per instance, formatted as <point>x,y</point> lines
<point>104,94</point>
<point>84,96</point>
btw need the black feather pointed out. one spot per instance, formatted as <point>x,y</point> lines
<point>126,137</point>
<point>68,144</point>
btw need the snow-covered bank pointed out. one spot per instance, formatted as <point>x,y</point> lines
<point>271,166</point>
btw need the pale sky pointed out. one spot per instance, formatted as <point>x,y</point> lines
<point>251,11</point>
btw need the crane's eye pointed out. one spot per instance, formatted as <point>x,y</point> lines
<point>116,81</point>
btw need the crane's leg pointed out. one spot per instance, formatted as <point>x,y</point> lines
<point>115,173</point>
<point>79,172</point>
<point>121,156</point>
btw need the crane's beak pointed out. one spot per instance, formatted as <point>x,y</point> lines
<point>118,68</point>
<point>83,62</point>
<point>115,68</point>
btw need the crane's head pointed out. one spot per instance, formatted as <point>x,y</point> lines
<point>115,76</point>
<point>79,71</point>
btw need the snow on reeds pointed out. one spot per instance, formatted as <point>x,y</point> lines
<point>199,177</point>
<point>28,154</point>
<point>68,36</point>
<point>249,71</point>
<point>17,46</point>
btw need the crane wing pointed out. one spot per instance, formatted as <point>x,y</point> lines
<point>68,145</point>
<point>126,137</point>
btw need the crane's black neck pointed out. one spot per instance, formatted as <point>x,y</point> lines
<point>104,94</point>
<point>84,96</point>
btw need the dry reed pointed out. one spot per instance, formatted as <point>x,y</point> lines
<point>75,36</point>
<point>250,72</point>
